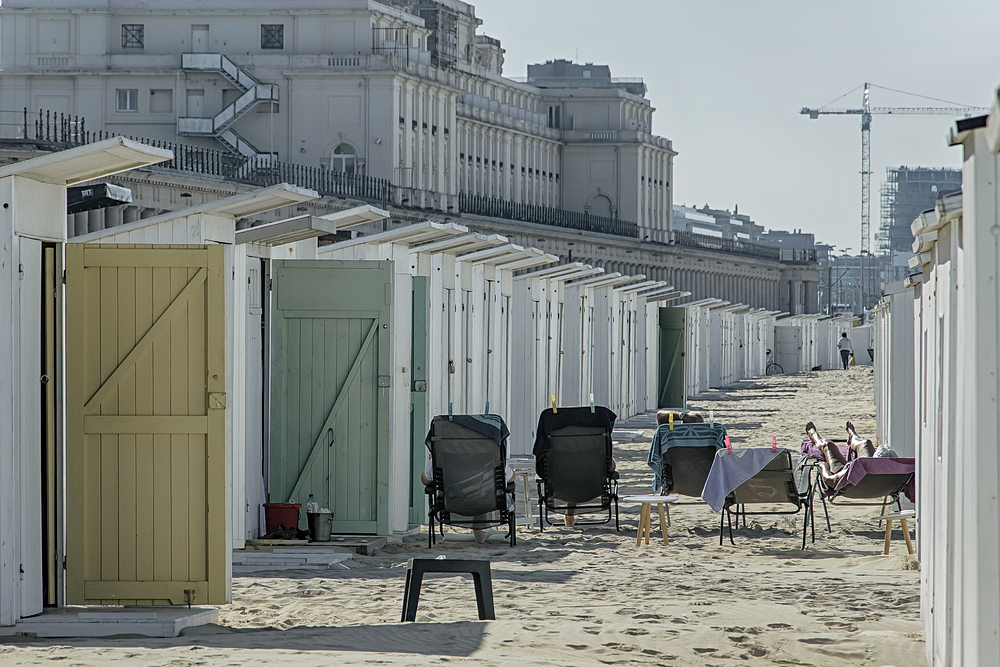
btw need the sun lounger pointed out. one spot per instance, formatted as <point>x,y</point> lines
<point>867,478</point>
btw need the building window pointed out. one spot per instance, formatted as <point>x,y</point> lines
<point>555,121</point>
<point>127,100</point>
<point>344,159</point>
<point>272,37</point>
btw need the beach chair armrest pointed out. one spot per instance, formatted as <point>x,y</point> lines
<point>615,475</point>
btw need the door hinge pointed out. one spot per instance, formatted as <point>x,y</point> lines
<point>64,277</point>
<point>188,596</point>
<point>269,284</point>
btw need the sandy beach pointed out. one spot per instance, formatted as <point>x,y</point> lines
<point>589,596</point>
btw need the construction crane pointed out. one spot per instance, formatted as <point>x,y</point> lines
<point>866,112</point>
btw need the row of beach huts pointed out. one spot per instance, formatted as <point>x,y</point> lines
<point>937,372</point>
<point>164,379</point>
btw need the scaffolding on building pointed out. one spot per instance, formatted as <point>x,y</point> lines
<point>906,192</point>
<point>443,24</point>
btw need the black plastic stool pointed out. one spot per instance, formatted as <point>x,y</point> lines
<point>479,569</point>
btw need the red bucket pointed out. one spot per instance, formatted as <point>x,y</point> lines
<point>285,514</point>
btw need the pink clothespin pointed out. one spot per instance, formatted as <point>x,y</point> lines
<point>774,443</point>
<point>729,448</point>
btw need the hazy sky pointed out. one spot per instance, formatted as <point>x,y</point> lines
<point>728,78</point>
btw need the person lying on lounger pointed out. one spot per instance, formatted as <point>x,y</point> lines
<point>835,466</point>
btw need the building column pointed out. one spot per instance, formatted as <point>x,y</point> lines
<point>811,288</point>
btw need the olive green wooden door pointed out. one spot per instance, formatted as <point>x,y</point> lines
<point>672,383</point>
<point>145,445</point>
<point>329,389</point>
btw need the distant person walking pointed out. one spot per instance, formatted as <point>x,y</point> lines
<point>846,349</point>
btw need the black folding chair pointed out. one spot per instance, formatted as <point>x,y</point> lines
<point>574,469</point>
<point>469,488</point>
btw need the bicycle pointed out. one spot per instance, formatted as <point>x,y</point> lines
<point>773,367</point>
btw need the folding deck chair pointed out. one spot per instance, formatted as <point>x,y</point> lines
<point>681,457</point>
<point>573,464</point>
<point>469,489</point>
<point>773,484</point>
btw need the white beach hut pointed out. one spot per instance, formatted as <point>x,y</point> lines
<point>32,385</point>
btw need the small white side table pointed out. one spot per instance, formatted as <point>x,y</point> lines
<point>902,517</point>
<point>645,515</point>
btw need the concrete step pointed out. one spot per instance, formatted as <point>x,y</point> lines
<point>107,621</point>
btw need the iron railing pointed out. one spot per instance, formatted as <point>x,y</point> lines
<point>545,215</point>
<point>799,255</point>
<point>735,246</point>
<point>60,131</point>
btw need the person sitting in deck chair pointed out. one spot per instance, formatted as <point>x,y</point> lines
<point>480,535</point>
<point>835,466</point>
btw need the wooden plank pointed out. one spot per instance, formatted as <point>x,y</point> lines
<point>216,475</point>
<point>75,447</point>
<point>50,433</point>
<point>126,483</point>
<point>179,508</point>
<point>319,484</point>
<point>160,368</point>
<point>197,404</point>
<point>294,452</point>
<point>352,392</point>
<point>109,502</point>
<point>98,256</point>
<point>173,591</point>
<point>339,471</point>
<point>173,311</point>
<point>336,369</point>
<point>96,424</point>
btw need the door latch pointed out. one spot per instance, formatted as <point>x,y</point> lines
<point>383,380</point>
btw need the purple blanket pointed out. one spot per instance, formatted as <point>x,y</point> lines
<point>857,468</point>
<point>810,450</point>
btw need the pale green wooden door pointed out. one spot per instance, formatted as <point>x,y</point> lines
<point>329,389</point>
<point>672,382</point>
<point>145,425</point>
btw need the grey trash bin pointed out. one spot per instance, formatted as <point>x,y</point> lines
<point>320,524</point>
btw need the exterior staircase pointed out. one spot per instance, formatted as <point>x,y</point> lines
<point>220,125</point>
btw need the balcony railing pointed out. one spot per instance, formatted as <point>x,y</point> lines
<point>799,255</point>
<point>61,131</point>
<point>735,246</point>
<point>545,215</point>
